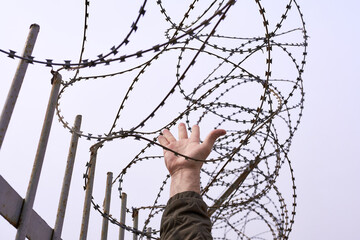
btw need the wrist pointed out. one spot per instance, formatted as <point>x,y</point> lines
<point>185,180</point>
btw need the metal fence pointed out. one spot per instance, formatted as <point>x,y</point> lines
<point>260,134</point>
<point>19,211</point>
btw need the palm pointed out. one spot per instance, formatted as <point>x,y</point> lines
<point>185,147</point>
<point>189,147</point>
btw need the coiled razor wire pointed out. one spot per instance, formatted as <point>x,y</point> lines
<point>251,86</point>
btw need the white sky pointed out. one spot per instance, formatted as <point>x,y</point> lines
<point>325,151</point>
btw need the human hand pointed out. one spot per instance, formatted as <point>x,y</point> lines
<point>185,173</point>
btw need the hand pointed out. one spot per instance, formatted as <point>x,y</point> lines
<point>185,173</point>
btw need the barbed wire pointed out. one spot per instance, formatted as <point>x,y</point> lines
<point>239,181</point>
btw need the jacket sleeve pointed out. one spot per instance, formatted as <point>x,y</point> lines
<point>185,217</point>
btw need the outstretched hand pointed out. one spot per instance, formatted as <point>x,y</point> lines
<point>185,173</point>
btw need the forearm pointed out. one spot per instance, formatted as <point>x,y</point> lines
<point>185,217</point>
<point>185,180</point>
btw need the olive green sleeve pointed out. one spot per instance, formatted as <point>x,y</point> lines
<point>185,217</point>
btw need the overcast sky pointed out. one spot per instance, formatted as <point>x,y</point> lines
<point>324,153</point>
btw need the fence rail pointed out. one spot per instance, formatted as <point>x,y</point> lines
<point>10,208</point>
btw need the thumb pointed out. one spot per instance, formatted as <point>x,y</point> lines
<point>212,136</point>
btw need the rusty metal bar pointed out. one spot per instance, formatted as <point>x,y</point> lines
<point>107,200</point>
<point>39,159</point>
<point>235,185</point>
<point>135,216</point>
<point>88,193</point>
<point>17,82</point>
<point>67,180</point>
<point>122,216</point>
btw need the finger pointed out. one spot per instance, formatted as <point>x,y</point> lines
<point>212,136</point>
<point>195,134</point>
<point>182,131</point>
<point>162,140</point>
<point>169,137</point>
